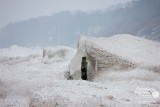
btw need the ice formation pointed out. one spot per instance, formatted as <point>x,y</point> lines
<point>124,72</point>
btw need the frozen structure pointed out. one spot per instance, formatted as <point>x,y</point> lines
<point>126,78</point>
<point>116,53</point>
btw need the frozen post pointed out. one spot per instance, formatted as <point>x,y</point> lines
<point>84,69</point>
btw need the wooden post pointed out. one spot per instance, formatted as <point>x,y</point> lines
<point>84,68</point>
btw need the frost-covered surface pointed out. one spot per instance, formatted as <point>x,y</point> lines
<point>119,52</point>
<point>24,70</point>
<point>132,48</point>
<point>59,53</point>
<point>27,79</point>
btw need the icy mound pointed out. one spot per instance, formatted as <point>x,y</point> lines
<point>88,94</point>
<point>116,53</point>
<point>71,94</point>
<point>22,72</point>
<point>17,54</point>
<point>59,53</point>
<point>18,51</point>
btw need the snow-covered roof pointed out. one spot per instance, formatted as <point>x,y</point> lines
<point>131,48</point>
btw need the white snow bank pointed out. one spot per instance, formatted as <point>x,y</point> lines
<point>87,94</point>
<point>18,51</point>
<point>59,53</point>
<point>70,94</point>
<point>22,71</point>
<point>127,75</point>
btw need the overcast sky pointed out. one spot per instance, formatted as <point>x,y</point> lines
<point>17,10</point>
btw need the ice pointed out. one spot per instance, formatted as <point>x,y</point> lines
<point>23,71</point>
<point>61,53</point>
<point>28,78</point>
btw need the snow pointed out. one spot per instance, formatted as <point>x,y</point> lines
<point>135,49</point>
<point>25,72</point>
<point>27,79</point>
<point>18,51</point>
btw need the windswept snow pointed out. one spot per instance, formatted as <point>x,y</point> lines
<point>18,51</point>
<point>36,77</point>
<point>24,70</point>
<point>51,54</point>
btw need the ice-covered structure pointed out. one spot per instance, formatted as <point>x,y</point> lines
<point>116,53</point>
<point>29,80</point>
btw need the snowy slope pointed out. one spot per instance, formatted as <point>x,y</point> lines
<point>27,79</point>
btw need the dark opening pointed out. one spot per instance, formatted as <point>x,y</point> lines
<point>84,68</point>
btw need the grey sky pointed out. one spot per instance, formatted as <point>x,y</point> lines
<point>17,10</point>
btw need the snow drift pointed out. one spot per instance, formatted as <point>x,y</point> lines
<point>116,53</point>
<point>25,70</point>
<point>58,53</point>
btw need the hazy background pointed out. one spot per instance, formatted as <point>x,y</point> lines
<point>18,10</point>
<point>61,22</point>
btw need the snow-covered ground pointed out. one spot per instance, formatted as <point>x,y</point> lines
<point>27,79</point>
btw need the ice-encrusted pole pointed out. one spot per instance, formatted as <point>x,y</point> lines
<point>84,68</point>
